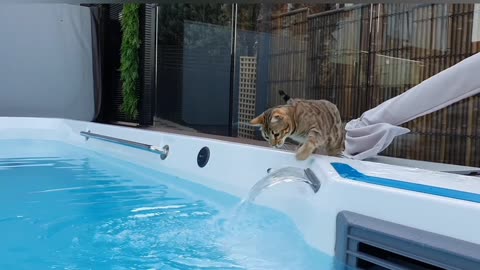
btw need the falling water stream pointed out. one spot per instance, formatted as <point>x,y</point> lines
<point>280,176</point>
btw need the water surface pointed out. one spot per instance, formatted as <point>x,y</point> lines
<point>64,207</point>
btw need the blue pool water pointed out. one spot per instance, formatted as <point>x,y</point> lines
<point>63,207</point>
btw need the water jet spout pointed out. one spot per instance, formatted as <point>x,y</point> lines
<point>314,181</point>
<point>285,175</point>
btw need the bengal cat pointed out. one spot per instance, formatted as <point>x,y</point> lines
<point>315,124</point>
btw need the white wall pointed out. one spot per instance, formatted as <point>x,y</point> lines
<point>46,61</point>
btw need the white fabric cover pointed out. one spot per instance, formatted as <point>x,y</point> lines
<point>375,129</point>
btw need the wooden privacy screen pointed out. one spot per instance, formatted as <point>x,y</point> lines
<point>360,56</point>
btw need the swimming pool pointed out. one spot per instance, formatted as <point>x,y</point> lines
<point>72,203</point>
<point>70,208</point>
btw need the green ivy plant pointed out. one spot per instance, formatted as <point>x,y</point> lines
<point>129,61</point>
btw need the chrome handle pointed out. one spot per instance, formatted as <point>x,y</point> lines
<point>163,152</point>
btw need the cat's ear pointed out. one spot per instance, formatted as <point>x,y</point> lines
<point>258,121</point>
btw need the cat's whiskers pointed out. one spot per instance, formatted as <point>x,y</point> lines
<point>236,124</point>
<point>286,147</point>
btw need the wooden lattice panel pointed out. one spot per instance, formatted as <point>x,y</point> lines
<point>247,95</point>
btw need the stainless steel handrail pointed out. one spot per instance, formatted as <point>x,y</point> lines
<point>163,152</point>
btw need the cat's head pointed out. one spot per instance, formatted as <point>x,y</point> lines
<point>275,125</point>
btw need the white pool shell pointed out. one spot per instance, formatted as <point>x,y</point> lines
<point>234,168</point>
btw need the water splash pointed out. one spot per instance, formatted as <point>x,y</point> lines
<point>245,215</point>
<point>280,176</point>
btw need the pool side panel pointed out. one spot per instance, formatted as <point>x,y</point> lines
<point>350,173</point>
<point>354,230</point>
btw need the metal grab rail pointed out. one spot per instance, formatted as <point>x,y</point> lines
<point>163,152</point>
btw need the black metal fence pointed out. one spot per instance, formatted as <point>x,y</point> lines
<point>338,59</point>
<point>288,54</point>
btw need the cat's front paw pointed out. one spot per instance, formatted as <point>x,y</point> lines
<point>302,155</point>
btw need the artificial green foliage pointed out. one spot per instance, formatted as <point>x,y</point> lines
<point>129,62</point>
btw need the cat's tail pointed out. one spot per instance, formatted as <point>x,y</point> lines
<point>284,95</point>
